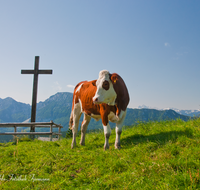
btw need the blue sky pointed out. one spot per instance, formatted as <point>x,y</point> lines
<point>154,45</point>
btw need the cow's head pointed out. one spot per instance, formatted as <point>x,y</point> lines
<point>105,91</point>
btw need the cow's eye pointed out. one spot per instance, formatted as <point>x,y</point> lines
<point>105,85</point>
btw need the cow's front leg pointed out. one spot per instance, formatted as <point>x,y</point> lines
<point>107,132</point>
<point>118,130</point>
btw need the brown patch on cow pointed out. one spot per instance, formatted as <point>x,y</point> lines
<point>106,85</point>
<point>85,94</point>
<point>119,86</point>
<point>94,82</point>
<point>105,110</point>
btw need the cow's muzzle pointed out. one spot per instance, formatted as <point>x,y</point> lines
<point>95,100</point>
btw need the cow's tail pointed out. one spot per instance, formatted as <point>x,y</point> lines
<point>72,114</point>
<point>73,102</point>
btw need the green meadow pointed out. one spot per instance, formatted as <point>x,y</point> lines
<point>154,155</point>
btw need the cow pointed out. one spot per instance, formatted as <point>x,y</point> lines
<point>106,98</point>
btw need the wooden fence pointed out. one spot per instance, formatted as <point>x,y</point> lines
<point>50,125</point>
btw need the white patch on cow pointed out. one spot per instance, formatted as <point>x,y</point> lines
<point>102,95</point>
<point>107,129</point>
<point>116,119</point>
<point>76,116</point>
<point>79,87</point>
<point>77,109</point>
<point>74,99</point>
<point>121,115</point>
<point>103,73</point>
<point>96,117</point>
<point>107,132</point>
<point>80,105</point>
<point>120,123</point>
<point>112,117</point>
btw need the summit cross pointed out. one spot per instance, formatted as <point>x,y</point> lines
<point>35,72</point>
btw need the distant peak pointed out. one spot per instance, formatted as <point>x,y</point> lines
<point>146,107</point>
<point>9,99</point>
<point>57,97</point>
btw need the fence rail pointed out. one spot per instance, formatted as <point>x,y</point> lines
<point>50,125</point>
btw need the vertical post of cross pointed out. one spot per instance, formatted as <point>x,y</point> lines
<point>34,96</point>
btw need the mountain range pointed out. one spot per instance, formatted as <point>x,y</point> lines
<point>190,113</point>
<point>58,109</point>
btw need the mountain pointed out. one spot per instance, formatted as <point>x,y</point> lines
<point>58,109</point>
<point>146,115</point>
<point>13,111</point>
<point>190,113</point>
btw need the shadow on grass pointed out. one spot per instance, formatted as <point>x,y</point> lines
<point>160,138</point>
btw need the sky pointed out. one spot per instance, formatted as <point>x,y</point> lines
<point>153,45</point>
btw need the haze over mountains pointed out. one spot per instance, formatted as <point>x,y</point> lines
<point>190,113</point>
<point>58,109</point>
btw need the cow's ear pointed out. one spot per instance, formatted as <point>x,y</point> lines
<point>114,78</point>
<point>94,82</point>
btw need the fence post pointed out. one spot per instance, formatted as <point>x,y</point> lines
<point>51,129</point>
<point>59,128</point>
<point>15,130</point>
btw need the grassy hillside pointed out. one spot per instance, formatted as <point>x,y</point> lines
<point>155,155</point>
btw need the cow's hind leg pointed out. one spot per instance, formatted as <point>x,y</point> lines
<point>76,117</point>
<point>84,125</point>
<point>118,131</point>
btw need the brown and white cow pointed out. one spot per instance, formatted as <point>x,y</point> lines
<point>105,98</point>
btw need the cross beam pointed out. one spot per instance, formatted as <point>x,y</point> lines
<point>35,72</point>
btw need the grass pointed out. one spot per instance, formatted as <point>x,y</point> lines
<point>154,155</point>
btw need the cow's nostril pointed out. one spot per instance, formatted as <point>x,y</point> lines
<point>95,99</point>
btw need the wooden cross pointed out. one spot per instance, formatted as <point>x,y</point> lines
<point>36,72</point>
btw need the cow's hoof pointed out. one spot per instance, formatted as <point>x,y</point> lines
<point>82,144</point>
<point>117,147</point>
<point>106,147</point>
